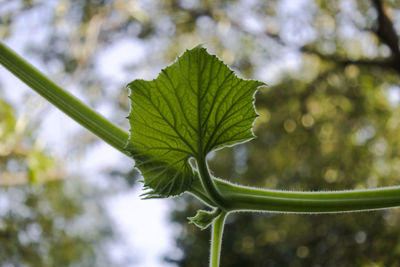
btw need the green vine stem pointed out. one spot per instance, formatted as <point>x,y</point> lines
<point>244,198</point>
<point>238,197</point>
<point>60,98</point>
<point>209,184</point>
<point>216,239</point>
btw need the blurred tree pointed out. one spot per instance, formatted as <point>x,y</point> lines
<point>21,161</point>
<point>44,219</point>
<point>329,124</point>
<point>328,121</point>
<point>47,225</point>
<point>39,226</point>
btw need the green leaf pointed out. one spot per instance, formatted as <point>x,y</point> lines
<point>203,218</point>
<point>196,105</point>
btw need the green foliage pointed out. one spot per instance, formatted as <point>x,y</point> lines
<point>195,106</point>
<point>45,219</point>
<point>7,122</point>
<point>31,163</point>
<point>47,225</point>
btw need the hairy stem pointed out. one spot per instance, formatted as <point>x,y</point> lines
<point>60,98</point>
<point>209,185</point>
<point>216,239</point>
<point>255,199</point>
<point>201,195</point>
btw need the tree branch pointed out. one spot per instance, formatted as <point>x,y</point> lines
<point>385,31</point>
<point>382,63</point>
<point>386,34</point>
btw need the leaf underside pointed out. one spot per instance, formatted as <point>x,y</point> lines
<point>194,106</point>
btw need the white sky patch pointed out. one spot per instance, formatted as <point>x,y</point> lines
<point>295,21</point>
<point>142,225</point>
<point>364,134</point>
<point>253,24</point>
<point>272,72</point>
<point>393,95</point>
<point>293,6</point>
<point>113,60</point>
